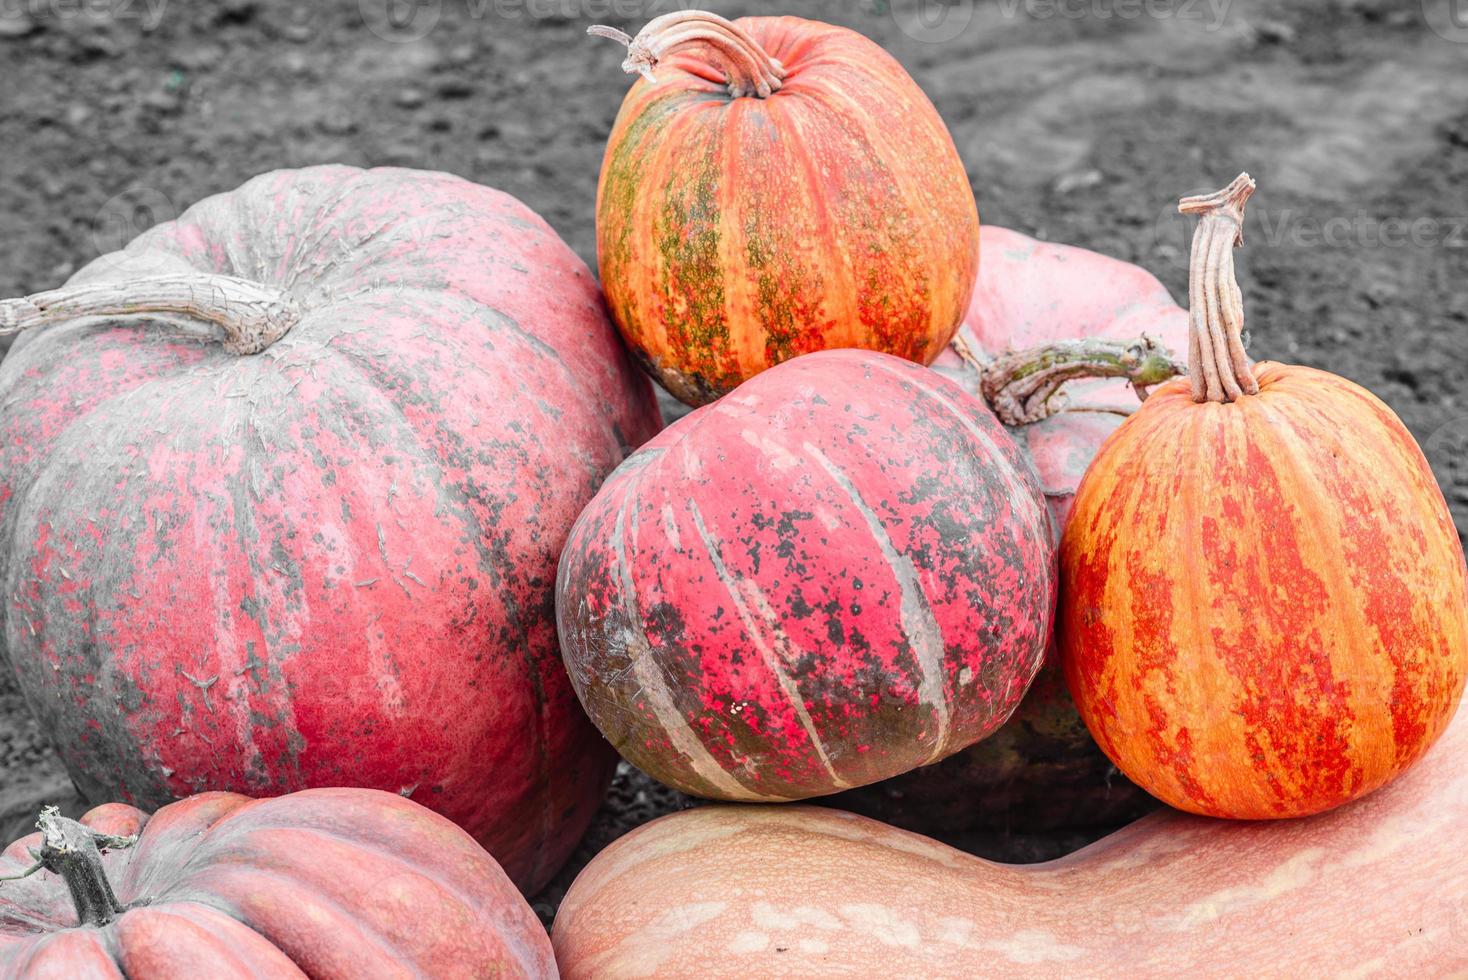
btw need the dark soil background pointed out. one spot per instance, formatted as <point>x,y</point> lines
<point>1079,120</point>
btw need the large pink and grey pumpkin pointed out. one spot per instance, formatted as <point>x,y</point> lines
<point>1043,770</point>
<point>322,552</point>
<point>838,572</point>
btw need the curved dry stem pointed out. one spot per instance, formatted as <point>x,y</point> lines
<point>1023,387</point>
<point>251,315</point>
<point>747,68</point>
<point>1217,363</point>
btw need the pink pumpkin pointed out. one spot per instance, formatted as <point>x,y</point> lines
<point>321,553</point>
<point>1042,770</point>
<point>837,572</point>
<point>353,884</point>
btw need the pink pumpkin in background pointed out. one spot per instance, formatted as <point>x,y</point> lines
<point>1030,293</point>
<point>282,490</point>
<point>1042,771</point>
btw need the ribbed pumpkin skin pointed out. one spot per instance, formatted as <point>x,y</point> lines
<point>1265,611</point>
<point>330,883</point>
<point>834,574</point>
<point>1042,770</point>
<point>331,563</point>
<point>735,233</point>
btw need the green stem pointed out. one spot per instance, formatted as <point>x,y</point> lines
<point>1021,386</point>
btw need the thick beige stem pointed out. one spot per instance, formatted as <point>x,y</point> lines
<point>1217,364</point>
<point>747,68</point>
<point>252,316</point>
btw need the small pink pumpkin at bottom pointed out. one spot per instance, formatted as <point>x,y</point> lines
<point>1057,340</point>
<point>838,572</point>
<point>326,883</point>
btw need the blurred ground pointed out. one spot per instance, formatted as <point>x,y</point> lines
<point>1079,120</point>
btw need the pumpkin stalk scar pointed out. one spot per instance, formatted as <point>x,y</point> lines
<point>1217,365</point>
<point>748,69</point>
<point>203,686</point>
<point>251,315</point>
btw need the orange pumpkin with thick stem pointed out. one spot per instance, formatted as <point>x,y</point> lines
<point>1265,611</point>
<point>784,187</point>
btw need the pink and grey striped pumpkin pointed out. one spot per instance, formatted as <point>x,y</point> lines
<point>330,562</point>
<point>838,572</point>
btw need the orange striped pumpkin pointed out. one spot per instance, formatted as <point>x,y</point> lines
<point>1265,604</point>
<point>784,187</point>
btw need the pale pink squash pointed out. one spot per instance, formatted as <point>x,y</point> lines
<point>1378,887</point>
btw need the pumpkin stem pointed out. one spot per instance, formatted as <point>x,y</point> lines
<point>1022,386</point>
<point>1217,364</point>
<point>72,850</point>
<point>747,69</point>
<point>251,315</point>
